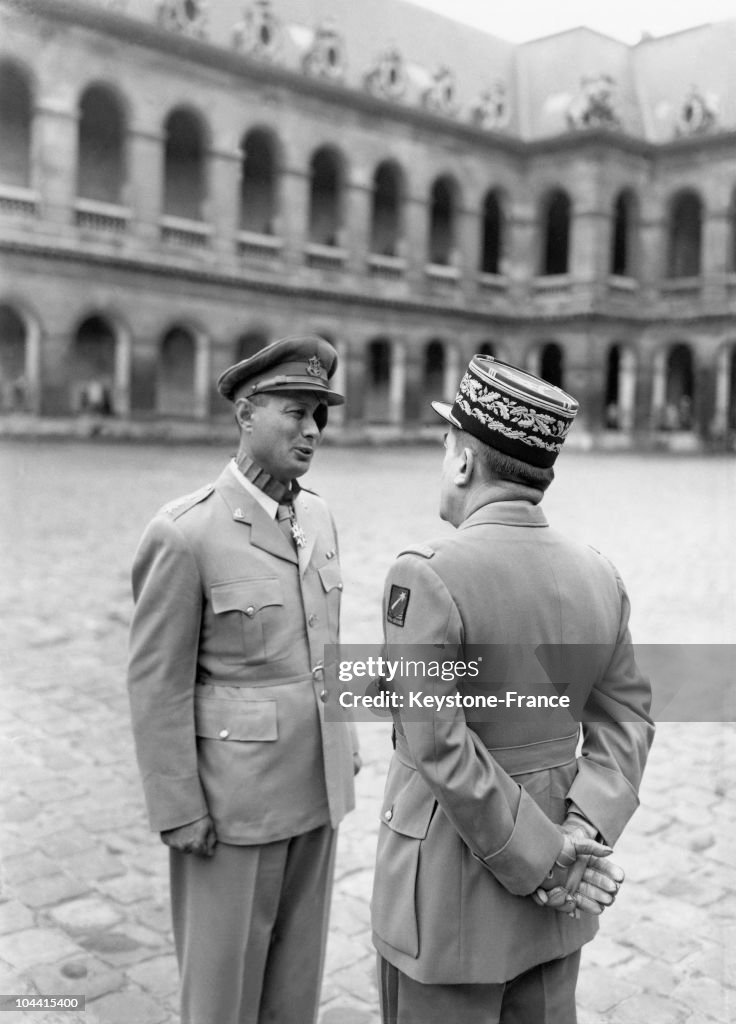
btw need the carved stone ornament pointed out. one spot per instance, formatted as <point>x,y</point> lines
<point>698,114</point>
<point>259,31</point>
<point>387,77</point>
<point>189,17</point>
<point>491,110</point>
<point>595,105</point>
<point>440,96</point>
<point>325,58</point>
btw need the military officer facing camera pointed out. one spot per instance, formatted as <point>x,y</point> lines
<point>237,590</point>
<point>492,861</point>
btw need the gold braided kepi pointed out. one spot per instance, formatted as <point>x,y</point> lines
<point>511,410</point>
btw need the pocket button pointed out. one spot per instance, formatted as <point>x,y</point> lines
<point>224,733</point>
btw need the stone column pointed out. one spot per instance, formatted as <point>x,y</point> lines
<point>355,224</point>
<point>659,389</point>
<point>397,383</point>
<point>652,251</point>
<point>55,142</point>
<point>32,367</point>
<point>293,214</point>
<point>627,389</point>
<point>715,249</point>
<point>144,190</point>
<point>583,379</point>
<point>354,363</point>
<point>223,199</point>
<point>589,245</point>
<point>719,423</point>
<point>453,371</point>
<point>520,262</point>
<point>202,373</point>
<point>339,383</point>
<point>121,382</point>
<point>413,368</point>
<point>416,236</point>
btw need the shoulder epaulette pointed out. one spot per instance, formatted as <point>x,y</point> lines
<point>418,549</point>
<point>179,506</point>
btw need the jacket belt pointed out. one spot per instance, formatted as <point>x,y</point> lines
<point>528,757</point>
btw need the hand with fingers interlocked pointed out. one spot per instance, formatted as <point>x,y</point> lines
<point>582,878</point>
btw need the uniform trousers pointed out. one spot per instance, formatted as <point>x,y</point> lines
<point>545,994</point>
<point>250,928</point>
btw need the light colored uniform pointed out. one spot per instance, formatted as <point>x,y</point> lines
<point>468,819</point>
<point>227,693</point>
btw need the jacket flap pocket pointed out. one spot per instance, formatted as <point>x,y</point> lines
<point>240,720</point>
<point>330,575</point>
<point>245,595</point>
<point>409,809</point>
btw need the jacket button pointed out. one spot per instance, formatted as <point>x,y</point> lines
<point>388,815</point>
<point>224,733</point>
<point>323,696</point>
<point>250,611</point>
<point>318,672</point>
<point>339,586</point>
<point>312,619</point>
<point>330,554</point>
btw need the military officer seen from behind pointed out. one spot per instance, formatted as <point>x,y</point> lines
<point>237,590</point>
<point>492,864</point>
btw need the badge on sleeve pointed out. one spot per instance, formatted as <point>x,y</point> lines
<point>398,602</point>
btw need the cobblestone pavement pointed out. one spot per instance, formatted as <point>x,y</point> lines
<point>83,897</point>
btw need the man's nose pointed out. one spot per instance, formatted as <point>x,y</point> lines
<point>309,426</point>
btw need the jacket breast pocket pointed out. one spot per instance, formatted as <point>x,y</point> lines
<point>249,623</point>
<point>408,809</point>
<point>331,579</point>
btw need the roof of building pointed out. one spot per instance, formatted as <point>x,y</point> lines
<point>661,88</point>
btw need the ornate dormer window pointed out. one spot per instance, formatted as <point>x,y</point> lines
<point>698,114</point>
<point>595,105</point>
<point>440,96</point>
<point>259,30</point>
<point>491,110</point>
<point>186,16</point>
<point>387,78</point>
<point>325,58</point>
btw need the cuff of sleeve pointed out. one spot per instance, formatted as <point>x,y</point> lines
<point>533,846</point>
<point>173,801</point>
<point>604,797</point>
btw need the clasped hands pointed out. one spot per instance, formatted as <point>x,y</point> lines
<point>582,878</point>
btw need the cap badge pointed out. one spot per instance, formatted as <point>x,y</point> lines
<point>315,367</point>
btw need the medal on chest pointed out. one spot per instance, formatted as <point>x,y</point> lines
<point>300,537</point>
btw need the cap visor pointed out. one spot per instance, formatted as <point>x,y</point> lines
<point>445,411</point>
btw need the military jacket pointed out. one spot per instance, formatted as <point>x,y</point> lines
<point>226,672</point>
<point>472,801</point>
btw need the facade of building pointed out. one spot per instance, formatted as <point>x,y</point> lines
<point>181,183</point>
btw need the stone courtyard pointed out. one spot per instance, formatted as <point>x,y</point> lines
<point>83,893</point>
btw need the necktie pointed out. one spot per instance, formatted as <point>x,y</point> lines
<point>283,517</point>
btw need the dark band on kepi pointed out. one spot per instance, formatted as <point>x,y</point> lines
<point>299,363</point>
<point>511,410</point>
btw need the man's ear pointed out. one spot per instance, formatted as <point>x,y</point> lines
<point>244,414</point>
<point>464,473</point>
